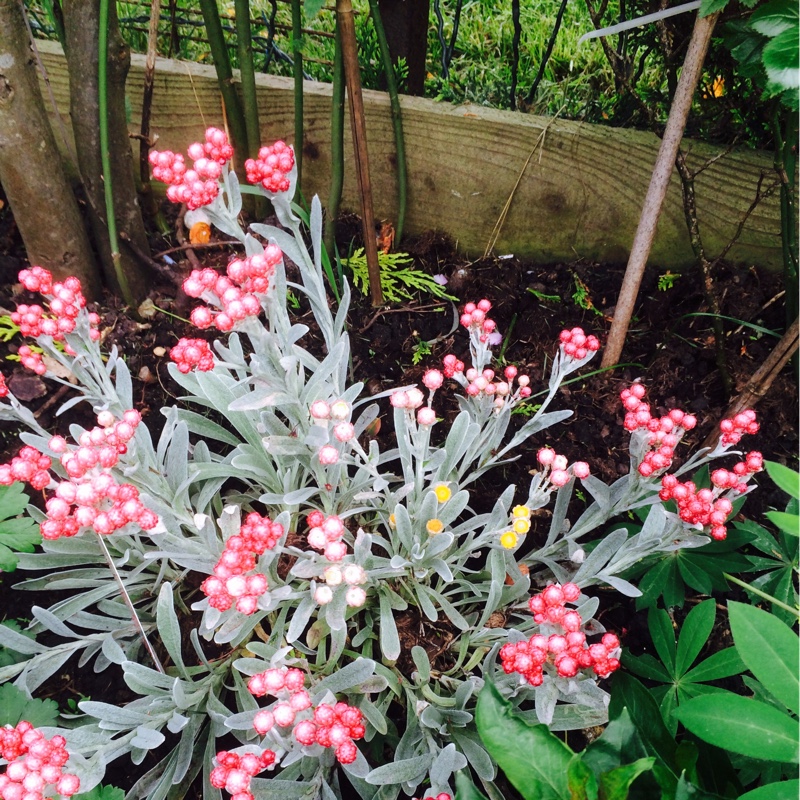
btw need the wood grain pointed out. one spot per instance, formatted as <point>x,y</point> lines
<point>580,195</point>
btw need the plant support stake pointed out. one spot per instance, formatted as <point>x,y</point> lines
<point>659,183</point>
<point>344,18</point>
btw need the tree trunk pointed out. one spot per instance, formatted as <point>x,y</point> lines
<point>31,172</point>
<point>81,22</point>
<point>406,25</point>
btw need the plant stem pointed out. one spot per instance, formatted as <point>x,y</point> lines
<point>248,76</point>
<point>105,157</point>
<point>222,64</point>
<point>56,14</point>
<point>397,120</point>
<point>297,55</point>
<point>337,149</point>
<point>129,603</point>
<point>764,595</point>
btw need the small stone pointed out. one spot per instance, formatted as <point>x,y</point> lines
<point>159,351</point>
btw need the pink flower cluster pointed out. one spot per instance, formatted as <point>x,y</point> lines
<point>452,365</point>
<point>235,293</point>
<point>35,763</point>
<point>440,796</point>
<point>334,726</point>
<point>474,318</point>
<point>91,497</point>
<point>272,167</point>
<point>66,302</point>
<point>189,354</point>
<point>229,583</point>
<point>567,651</point>
<point>560,469</point>
<point>483,382</point>
<point>707,506</point>
<point>665,432</point>
<point>235,772</point>
<point>197,186</point>
<point>576,344</point>
<point>3,387</point>
<point>31,360</point>
<point>325,535</point>
<point>412,399</point>
<point>331,725</point>
<point>29,466</point>
<point>734,429</point>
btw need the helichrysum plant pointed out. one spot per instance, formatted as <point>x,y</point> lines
<point>287,601</point>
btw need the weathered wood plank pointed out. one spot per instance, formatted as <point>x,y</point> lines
<point>580,194</point>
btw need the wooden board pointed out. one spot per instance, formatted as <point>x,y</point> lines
<point>579,196</point>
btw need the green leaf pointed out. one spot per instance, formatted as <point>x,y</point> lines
<point>784,790</point>
<point>581,780</point>
<point>788,523</point>
<point>615,785</point>
<point>619,737</point>
<point>787,480</point>
<point>772,19</point>
<point>694,576</point>
<point>537,763</point>
<point>769,649</point>
<point>647,666</point>
<point>465,788</point>
<point>627,692</point>
<point>663,636</point>
<point>102,793</point>
<point>694,634</point>
<point>721,664</point>
<point>15,707</point>
<point>708,7</point>
<point>742,725</point>
<point>17,534</point>
<point>652,584</point>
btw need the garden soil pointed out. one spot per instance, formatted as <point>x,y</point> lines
<point>670,347</point>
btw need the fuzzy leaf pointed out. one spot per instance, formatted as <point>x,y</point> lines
<point>408,770</point>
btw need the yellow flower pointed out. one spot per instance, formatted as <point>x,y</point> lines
<point>434,526</point>
<point>200,233</point>
<point>521,525</point>
<point>509,540</point>
<point>442,492</point>
<point>392,521</point>
<point>521,512</point>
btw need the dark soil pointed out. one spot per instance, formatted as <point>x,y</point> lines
<point>670,347</point>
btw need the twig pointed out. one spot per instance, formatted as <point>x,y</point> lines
<point>182,247</point>
<point>412,310</point>
<point>145,259</point>
<point>498,226</point>
<point>180,235</point>
<point>762,379</point>
<point>766,305</point>
<point>52,400</point>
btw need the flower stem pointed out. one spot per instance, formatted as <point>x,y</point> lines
<point>129,603</point>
